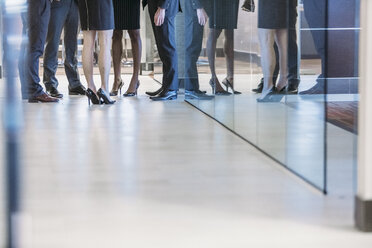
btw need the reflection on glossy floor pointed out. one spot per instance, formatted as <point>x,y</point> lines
<point>145,174</point>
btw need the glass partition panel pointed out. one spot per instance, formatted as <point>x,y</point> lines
<point>278,50</point>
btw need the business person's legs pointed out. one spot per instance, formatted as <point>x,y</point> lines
<point>136,42</point>
<point>281,39</point>
<point>71,39</point>
<point>38,19</point>
<point>267,39</point>
<point>59,13</point>
<point>117,53</point>
<point>229,56</point>
<point>104,60</point>
<point>229,53</point>
<point>87,56</point>
<point>293,71</point>
<point>166,44</point>
<point>193,46</point>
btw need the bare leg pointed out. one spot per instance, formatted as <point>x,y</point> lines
<point>267,58</point>
<point>88,49</point>
<point>117,52</point>
<point>281,39</point>
<point>211,51</point>
<point>136,42</point>
<point>104,59</point>
<point>229,53</point>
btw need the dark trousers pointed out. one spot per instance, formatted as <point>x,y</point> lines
<point>65,15</point>
<point>22,64</point>
<point>193,46</point>
<point>166,43</point>
<point>315,13</point>
<point>293,77</point>
<point>38,20</point>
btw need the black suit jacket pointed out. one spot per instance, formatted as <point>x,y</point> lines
<point>172,6</point>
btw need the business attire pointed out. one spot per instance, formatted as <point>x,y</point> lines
<point>193,41</point>
<point>293,76</point>
<point>127,14</point>
<point>166,43</point>
<point>97,17</point>
<point>273,14</point>
<point>65,15</point>
<point>223,14</point>
<point>127,17</point>
<point>38,20</point>
<point>96,14</point>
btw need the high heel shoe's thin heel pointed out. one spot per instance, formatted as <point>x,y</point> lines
<point>129,94</point>
<point>214,89</point>
<point>228,85</point>
<point>213,85</point>
<point>104,96</point>
<point>92,97</point>
<point>115,92</point>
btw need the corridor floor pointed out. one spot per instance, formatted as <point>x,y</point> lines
<point>142,174</point>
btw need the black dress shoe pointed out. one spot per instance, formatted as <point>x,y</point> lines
<point>259,87</point>
<point>197,95</point>
<point>154,93</point>
<point>42,98</point>
<point>53,92</point>
<point>169,95</point>
<point>80,90</point>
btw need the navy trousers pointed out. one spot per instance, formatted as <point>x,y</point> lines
<point>65,16</point>
<point>315,13</point>
<point>165,39</point>
<point>193,45</point>
<point>38,20</point>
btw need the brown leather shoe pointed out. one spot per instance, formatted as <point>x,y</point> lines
<point>42,98</point>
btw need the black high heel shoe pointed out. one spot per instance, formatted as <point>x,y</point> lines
<point>129,94</point>
<point>228,85</point>
<point>104,96</point>
<point>92,97</point>
<point>115,92</point>
<point>212,83</point>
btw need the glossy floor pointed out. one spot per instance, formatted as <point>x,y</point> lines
<point>161,174</point>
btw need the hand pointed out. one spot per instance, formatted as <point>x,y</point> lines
<point>202,16</point>
<point>159,17</point>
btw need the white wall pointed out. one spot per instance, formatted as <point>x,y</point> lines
<point>365,105</point>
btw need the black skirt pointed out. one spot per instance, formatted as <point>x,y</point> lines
<point>223,14</point>
<point>273,14</point>
<point>127,14</point>
<point>96,14</point>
